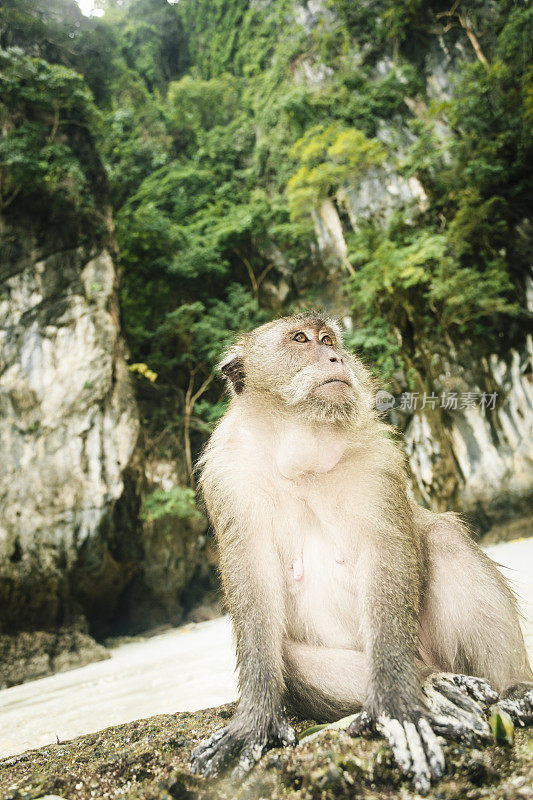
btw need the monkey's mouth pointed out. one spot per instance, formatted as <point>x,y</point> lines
<point>334,380</point>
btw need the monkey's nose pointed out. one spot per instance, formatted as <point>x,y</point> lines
<point>336,359</point>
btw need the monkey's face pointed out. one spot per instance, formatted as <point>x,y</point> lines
<point>301,362</point>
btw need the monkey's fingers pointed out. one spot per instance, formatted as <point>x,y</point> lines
<point>457,697</point>
<point>427,757</point>
<point>458,724</point>
<point>454,729</point>
<point>420,767</point>
<point>451,719</point>
<point>477,688</point>
<point>435,756</point>
<point>409,750</point>
<point>220,757</point>
<point>209,762</point>
<point>393,731</point>
<point>208,743</point>
<point>282,734</point>
<point>250,755</point>
<point>286,735</point>
<point>361,725</point>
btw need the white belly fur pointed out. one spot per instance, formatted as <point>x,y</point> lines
<point>322,603</point>
<point>322,596</point>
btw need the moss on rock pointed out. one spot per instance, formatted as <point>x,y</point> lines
<point>148,760</point>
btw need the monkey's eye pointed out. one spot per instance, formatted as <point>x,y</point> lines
<point>327,340</point>
<point>300,337</point>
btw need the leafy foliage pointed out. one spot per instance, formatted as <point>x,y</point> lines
<point>330,157</point>
<point>177,502</point>
<point>223,125</point>
<point>40,104</point>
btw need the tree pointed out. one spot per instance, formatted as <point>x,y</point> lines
<point>43,106</point>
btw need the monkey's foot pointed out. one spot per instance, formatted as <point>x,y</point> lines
<point>414,745</point>
<point>213,753</point>
<point>453,711</point>
<point>517,701</point>
<point>476,688</point>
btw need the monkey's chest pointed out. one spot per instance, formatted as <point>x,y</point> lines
<point>322,604</point>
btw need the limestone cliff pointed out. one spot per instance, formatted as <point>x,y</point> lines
<point>68,430</point>
<point>75,557</point>
<point>478,461</point>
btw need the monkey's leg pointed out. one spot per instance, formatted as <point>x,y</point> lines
<point>324,683</point>
<point>394,604</point>
<point>470,623</point>
<point>395,705</point>
<point>329,683</point>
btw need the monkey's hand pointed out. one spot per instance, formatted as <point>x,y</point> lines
<point>237,740</point>
<point>517,701</point>
<point>414,744</point>
<point>452,708</point>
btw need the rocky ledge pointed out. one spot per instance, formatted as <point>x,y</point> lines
<point>148,759</point>
<point>35,654</point>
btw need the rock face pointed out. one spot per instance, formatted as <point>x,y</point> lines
<point>479,460</point>
<point>68,430</point>
<point>148,760</point>
<point>75,556</point>
<point>34,654</point>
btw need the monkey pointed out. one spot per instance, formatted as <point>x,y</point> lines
<point>346,596</point>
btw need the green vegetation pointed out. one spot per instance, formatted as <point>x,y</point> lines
<point>177,502</point>
<point>331,157</point>
<point>224,125</point>
<point>40,100</point>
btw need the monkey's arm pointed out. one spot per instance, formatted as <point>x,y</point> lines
<point>395,704</point>
<point>251,579</point>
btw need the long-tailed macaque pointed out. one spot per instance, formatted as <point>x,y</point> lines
<point>344,594</point>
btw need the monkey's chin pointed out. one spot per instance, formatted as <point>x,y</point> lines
<point>337,404</point>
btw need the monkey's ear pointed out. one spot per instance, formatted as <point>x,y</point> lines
<point>232,366</point>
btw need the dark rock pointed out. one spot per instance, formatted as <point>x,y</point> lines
<point>35,654</point>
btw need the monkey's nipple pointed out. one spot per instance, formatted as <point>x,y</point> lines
<point>339,558</point>
<point>297,567</point>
